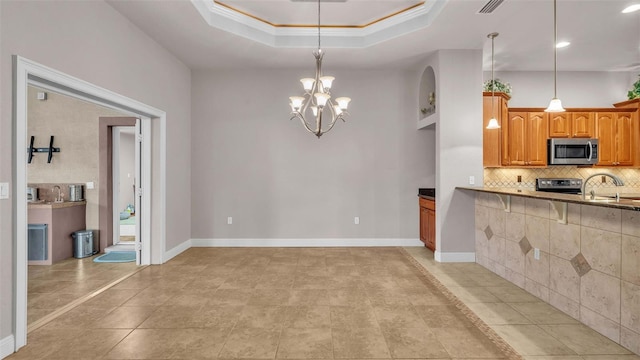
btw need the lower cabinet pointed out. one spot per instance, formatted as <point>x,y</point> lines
<point>428,223</point>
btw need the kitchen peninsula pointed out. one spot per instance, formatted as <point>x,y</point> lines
<point>581,256</point>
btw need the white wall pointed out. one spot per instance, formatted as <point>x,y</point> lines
<point>575,88</point>
<point>459,150</point>
<point>92,41</point>
<point>278,181</point>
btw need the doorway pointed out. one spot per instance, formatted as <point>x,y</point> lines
<point>28,72</point>
<point>123,168</point>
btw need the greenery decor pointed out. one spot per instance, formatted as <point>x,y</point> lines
<point>498,86</point>
<point>634,93</point>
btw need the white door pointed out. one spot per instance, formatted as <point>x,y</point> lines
<point>123,179</point>
<point>138,189</point>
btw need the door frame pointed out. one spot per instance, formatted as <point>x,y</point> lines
<point>26,72</point>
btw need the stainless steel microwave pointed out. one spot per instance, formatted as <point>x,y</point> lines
<point>572,151</point>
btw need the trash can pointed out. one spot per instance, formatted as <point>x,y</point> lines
<point>82,243</point>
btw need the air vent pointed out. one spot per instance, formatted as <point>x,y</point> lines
<point>489,7</point>
<point>316,1</point>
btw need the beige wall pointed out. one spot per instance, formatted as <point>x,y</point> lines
<point>74,125</point>
<point>588,268</point>
<point>92,41</point>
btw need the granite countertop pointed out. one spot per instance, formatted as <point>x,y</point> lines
<point>628,204</point>
<point>427,193</point>
<point>54,205</point>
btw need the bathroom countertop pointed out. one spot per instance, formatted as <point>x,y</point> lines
<point>54,205</point>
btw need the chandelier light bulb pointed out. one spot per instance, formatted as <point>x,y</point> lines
<point>343,102</point>
<point>327,81</point>
<point>493,124</point>
<point>307,83</point>
<point>321,99</point>
<point>296,102</point>
<point>631,8</point>
<point>314,109</point>
<point>337,109</point>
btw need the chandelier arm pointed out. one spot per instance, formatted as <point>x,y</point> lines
<point>303,121</point>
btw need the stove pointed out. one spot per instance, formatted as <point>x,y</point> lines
<point>559,185</point>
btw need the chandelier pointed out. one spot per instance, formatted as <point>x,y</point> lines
<point>317,98</point>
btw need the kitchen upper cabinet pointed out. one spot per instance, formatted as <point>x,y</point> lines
<point>572,125</point>
<point>428,223</point>
<point>527,138</point>
<point>583,124</point>
<point>494,140</point>
<point>615,132</point>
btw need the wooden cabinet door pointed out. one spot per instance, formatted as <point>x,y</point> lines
<point>605,133</point>
<point>424,225</point>
<point>536,139</point>
<point>624,138</point>
<point>431,237</point>
<point>517,137</point>
<point>583,125</point>
<point>491,138</point>
<point>559,125</point>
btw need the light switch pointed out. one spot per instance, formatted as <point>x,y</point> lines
<point>90,185</point>
<point>4,190</point>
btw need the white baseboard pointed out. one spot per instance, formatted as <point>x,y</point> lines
<point>304,242</point>
<point>7,346</point>
<point>177,250</point>
<point>455,256</point>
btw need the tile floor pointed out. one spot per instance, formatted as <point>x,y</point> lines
<point>308,303</point>
<point>50,288</point>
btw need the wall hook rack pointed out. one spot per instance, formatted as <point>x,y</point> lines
<point>49,150</point>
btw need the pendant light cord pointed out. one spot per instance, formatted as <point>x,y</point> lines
<point>318,25</point>
<point>493,82</point>
<point>555,51</point>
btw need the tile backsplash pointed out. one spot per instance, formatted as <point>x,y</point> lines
<point>508,177</point>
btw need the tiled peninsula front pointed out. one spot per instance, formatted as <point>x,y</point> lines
<point>589,267</point>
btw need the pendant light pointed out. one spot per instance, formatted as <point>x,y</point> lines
<point>493,122</point>
<point>555,105</point>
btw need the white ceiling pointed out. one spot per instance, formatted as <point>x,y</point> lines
<point>602,38</point>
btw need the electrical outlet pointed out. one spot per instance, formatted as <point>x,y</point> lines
<point>90,185</point>
<point>603,179</point>
<point>472,180</point>
<point>229,220</point>
<point>356,220</point>
<point>4,191</point>
<point>519,178</point>
<point>536,253</point>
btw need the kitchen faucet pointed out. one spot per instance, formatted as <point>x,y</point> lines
<point>59,198</point>
<point>616,181</point>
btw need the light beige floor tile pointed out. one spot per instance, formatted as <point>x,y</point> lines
<point>92,344</point>
<point>305,317</point>
<point>411,343</point>
<point>532,340</point>
<point>353,317</point>
<point>439,316</point>
<point>124,317</point>
<point>466,342</point>
<point>199,343</point>
<point>498,313</point>
<point>310,343</point>
<point>80,317</point>
<point>359,343</point>
<point>145,344</point>
<point>251,343</point>
<point>398,316</point>
<point>172,317</point>
<point>583,340</point>
<point>259,316</point>
<point>542,313</point>
<point>473,294</point>
<point>512,294</point>
<point>611,357</point>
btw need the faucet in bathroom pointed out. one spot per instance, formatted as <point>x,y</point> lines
<point>59,197</point>
<point>616,181</point>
